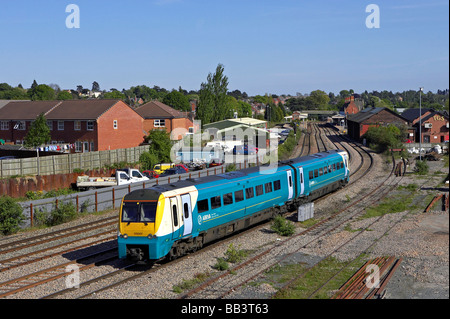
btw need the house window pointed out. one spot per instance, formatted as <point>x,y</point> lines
<point>159,123</point>
<point>90,125</point>
<point>60,125</point>
<point>78,146</point>
<point>115,124</point>
<point>20,125</point>
<point>4,125</point>
<point>50,125</point>
<point>77,125</point>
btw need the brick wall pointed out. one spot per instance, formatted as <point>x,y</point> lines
<point>128,131</point>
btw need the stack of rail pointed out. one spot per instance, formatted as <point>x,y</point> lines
<point>365,284</point>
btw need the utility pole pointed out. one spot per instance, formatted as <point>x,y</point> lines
<point>420,122</point>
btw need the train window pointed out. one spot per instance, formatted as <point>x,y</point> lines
<point>175,215</point>
<point>342,164</point>
<point>249,193</point>
<point>148,212</point>
<point>334,166</point>
<point>320,171</point>
<point>338,166</point>
<point>228,199</point>
<point>325,170</point>
<point>330,169</point>
<point>130,212</point>
<point>311,175</point>
<point>290,181</point>
<point>276,185</point>
<point>202,205</point>
<point>259,190</point>
<point>268,187</point>
<point>239,196</point>
<point>215,202</point>
<point>301,177</point>
<point>316,173</point>
<point>186,210</point>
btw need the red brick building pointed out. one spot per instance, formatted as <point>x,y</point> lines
<point>85,125</point>
<point>358,124</point>
<point>435,125</point>
<point>353,105</point>
<point>158,115</point>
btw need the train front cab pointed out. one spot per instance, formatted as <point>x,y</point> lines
<point>140,217</point>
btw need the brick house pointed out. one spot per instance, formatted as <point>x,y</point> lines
<point>358,124</point>
<point>158,115</point>
<point>435,125</point>
<point>85,125</point>
<point>353,105</point>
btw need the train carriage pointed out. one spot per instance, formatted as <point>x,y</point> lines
<point>170,220</point>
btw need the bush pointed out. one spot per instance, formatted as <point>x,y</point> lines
<point>421,167</point>
<point>10,215</point>
<point>282,226</point>
<point>62,214</point>
<point>384,137</point>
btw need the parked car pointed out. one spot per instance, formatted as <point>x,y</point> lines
<point>150,174</point>
<point>245,149</point>
<point>215,162</point>
<point>173,171</point>
<point>183,167</point>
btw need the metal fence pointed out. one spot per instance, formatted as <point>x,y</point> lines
<point>110,197</point>
<point>66,163</point>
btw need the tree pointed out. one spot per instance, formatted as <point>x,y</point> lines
<point>95,86</point>
<point>64,95</point>
<point>213,97</point>
<point>177,100</point>
<point>34,84</point>
<point>10,215</point>
<point>160,145</point>
<point>41,92</point>
<point>39,132</point>
<point>114,95</point>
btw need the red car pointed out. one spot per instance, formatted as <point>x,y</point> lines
<point>150,174</point>
<point>215,162</point>
<point>183,167</point>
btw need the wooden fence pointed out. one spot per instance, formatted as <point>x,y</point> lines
<point>67,163</point>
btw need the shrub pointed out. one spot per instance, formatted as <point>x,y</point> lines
<point>10,215</point>
<point>421,167</point>
<point>62,214</point>
<point>221,264</point>
<point>282,226</point>
<point>235,255</point>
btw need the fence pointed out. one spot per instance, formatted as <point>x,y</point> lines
<point>110,197</point>
<point>66,163</point>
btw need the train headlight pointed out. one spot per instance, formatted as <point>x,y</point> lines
<point>124,236</point>
<point>150,236</point>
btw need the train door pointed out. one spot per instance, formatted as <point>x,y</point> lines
<point>290,184</point>
<point>175,217</point>
<point>302,181</point>
<point>187,213</point>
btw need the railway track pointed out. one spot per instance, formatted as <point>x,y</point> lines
<point>125,273</point>
<point>225,284</point>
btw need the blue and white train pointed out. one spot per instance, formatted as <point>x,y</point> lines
<point>171,220</point>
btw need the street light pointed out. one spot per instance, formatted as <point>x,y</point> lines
<point>420,122</point>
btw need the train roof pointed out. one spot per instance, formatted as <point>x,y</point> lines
<point>231,175</point>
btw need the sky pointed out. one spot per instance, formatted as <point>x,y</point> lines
<point>266,46</point>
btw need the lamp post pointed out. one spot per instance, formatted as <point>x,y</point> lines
<point>420,122</point>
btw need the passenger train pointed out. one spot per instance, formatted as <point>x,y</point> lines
<point>167,221</point>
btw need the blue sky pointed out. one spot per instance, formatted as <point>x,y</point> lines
<point>278,47</point>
